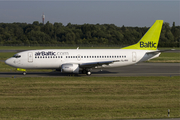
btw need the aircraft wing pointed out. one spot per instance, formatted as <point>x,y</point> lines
<point>93,64</point>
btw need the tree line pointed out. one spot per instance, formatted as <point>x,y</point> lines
<point>90,34</point>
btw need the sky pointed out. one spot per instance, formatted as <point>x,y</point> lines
<point>133,13</point>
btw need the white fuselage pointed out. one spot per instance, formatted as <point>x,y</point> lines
<point>55,58</point>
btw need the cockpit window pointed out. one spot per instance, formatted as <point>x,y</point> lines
<point>17,56</point>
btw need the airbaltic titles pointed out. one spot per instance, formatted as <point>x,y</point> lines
<point>147,45</point>
<point>51,53</point>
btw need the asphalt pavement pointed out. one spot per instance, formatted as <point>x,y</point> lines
<point>141,69</point>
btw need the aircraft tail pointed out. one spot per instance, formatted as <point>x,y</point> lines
<point>150,40</point>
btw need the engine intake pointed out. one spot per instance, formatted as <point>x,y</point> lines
<point>70,68</point>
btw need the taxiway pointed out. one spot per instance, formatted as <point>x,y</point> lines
<point>141,69</point>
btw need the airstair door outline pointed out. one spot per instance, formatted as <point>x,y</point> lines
<point>30,57</point>
<point>78,57</point>
<point>133,56</point>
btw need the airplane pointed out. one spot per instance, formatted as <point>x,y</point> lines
<point>77,61</point>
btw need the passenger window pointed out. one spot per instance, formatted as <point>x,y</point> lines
<point>84,56</point>
<point>89,56</point>
<point>81,56</point>
<point>97,56</point>
<point>102,56</point>
<point>92,56</point>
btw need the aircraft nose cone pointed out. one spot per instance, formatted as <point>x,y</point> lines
<point>8,62</point>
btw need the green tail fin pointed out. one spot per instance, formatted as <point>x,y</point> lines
<point>150,40</point>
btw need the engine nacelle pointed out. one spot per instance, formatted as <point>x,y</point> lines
<point>70,68</point>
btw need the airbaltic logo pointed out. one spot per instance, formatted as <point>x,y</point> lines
<point>50,53</point>
<point>43,53</point>
<point>147,45</point>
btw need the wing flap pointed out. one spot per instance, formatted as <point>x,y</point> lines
<point>93,64</point>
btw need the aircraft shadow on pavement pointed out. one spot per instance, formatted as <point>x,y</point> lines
<point>78,75</point>
<point>104,72</point>
<point>29,74</point>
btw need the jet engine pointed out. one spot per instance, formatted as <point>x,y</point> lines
<point>70,68</point>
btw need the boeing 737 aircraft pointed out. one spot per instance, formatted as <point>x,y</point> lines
<point>76,60</point>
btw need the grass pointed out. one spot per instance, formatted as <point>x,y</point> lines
<point>89,97</point>
<point>6,55</point>
<point>64,47</point>
<point>51,47</point>
<point>5,68</point>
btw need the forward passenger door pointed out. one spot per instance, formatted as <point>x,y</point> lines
<point>30,57</point>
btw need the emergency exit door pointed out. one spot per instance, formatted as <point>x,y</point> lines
<point>30,57</point>
<point>133,56</point>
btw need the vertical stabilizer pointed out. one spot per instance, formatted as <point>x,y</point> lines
<point>150,40</point>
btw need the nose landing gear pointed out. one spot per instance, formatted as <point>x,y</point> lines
<point>24,73</point>
<point>22,70</point>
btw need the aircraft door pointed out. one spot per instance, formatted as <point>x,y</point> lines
<point>133,56</point>
<point>30,57</point>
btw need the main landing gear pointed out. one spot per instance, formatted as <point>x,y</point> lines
<point>86,71</point>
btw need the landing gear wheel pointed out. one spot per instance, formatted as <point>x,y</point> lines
<point>24,73</point>
<point>88,73</point>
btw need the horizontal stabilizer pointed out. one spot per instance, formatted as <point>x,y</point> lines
<point>159,51</point>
